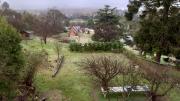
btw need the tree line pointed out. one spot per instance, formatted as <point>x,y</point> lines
<point>45,24</point>
<point>157,26</point>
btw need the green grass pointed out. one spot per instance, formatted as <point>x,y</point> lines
<point>35,45</point>
<point>71,80</point>
<point>174,95</point>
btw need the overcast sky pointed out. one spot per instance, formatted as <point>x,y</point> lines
<point>44,4</point>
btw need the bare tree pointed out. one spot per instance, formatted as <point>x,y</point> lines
<point>14,18</point>
<point>42,27</point>
<point>26,86</point>
<point>103,68</point>
<point>29,21</point>
<point>161,78</point>
<point>50,23</point>
<point>57,20</point>
<point>58,49</point>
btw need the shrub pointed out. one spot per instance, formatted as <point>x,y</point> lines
<point>11,59</point>
<point>76,47</point>
<point>117,47</point>
<point>86,48</point>
<point>91,47</point>
<point>97,46</point>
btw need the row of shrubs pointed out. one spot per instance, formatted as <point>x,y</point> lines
<point>97,46</point>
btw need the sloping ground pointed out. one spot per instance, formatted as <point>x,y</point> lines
<point>70,82</point>
<point>53,95</point>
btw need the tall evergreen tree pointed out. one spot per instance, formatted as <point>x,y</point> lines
<point>160,27</point>
<point>107,26</point>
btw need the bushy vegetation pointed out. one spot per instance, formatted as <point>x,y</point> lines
<point>159,29</point>
<point>72,81</point>
<point>97,46</point>
<point>28,76</point>
<point>17,68</point>
<point>11,59</point>
<point>26,85</point>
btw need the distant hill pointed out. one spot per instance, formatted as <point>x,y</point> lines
<point>84,12</point>
<point>73,12</point>
<point>79,12</point>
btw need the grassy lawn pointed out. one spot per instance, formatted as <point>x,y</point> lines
<point>71,80</point>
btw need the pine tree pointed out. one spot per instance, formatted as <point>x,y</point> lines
<point>160,27</point>
<point>107,26</point>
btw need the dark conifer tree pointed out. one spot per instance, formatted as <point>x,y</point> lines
<point>160,25</point>
<point>107,26</point>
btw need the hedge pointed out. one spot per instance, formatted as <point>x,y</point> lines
<point>97,46</point>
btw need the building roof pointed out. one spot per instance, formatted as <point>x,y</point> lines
<point>26,31</point>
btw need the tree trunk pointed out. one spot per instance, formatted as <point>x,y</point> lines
<point>28,81</point>
<point>1,98</point>
<point>153,97</point>
<point>45,40</point>
<point>105,86</point>
<point>158,57</point>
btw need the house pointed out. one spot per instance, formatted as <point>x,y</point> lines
<point>74,30</point>
<point>26,35</point>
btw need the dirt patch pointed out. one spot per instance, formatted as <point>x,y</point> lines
<point>54,95</point>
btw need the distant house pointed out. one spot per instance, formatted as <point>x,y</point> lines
<point>27,35</point>
<point>74,30</point>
